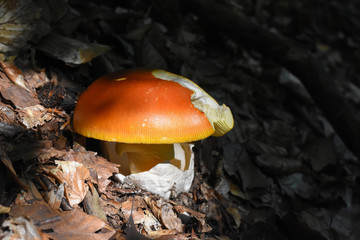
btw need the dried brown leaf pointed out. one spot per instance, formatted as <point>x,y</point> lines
<point>34,116</point>
<point>110,207</point>
<point>29,195</point>
<point>4,80</point>
<point>165,213</point>
<point>74,175</point>
<point>103,168</point>
<point>163,234</point>
<point>7,114</point>
<point>137,212</point>
<point>21,228</point>
<point>100,169</point>
<point>131,232</point>
<point>170,219</point>
<point>92,204</point>
<point>55,196</point>
<point>168,235</point>
<point>38,79</point>
<point>67,225</point>
<point>135,208</point>
<point>199,216</point>
<point>46,153</point>
<point>150,223</point>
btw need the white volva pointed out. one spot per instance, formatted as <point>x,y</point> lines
<point>164,178</point>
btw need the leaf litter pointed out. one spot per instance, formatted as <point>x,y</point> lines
<point>281,169</point>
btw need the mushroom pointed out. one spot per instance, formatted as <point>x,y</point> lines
<point>144,112</point>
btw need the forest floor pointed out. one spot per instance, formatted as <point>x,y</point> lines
<point>287,170</point>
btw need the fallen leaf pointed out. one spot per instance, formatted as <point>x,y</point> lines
<point>47,152</point>
<point>137,212</point>
<point>298,184</point>
<point>278,166</point>
<point>103,168</point>
<point>320,152</point>
<point>69,50</point>
<point>34,116</point>
<point>31,194</point>
<point>37,79</point>
<point>317,219</point>
<point>4,209</point>
<point>237,163</point>
<point>131,231</point>
<point>14,74</point>
<point>55,196</point>
<point>164,211</point>
<point>21,228</point>
<point>100,169</point>
<point>92,204</point>
<point>235,213</point>
<point>7,116</point>
<point>68,225</point>
<point>199,216</point>
<point>74,175</point>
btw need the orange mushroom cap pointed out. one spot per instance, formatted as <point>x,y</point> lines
<point>137,107</point>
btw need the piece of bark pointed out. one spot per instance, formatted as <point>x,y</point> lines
<point>341,115</point>
<point>19,96</point>
<point>14,74</point>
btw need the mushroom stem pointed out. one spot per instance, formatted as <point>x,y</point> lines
<point>142,157</point>
<point>134,158</point>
